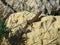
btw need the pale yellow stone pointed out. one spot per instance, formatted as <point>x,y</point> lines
<point>41,32</point>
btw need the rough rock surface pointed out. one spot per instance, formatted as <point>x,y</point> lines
<point>46,6</point>
<point>4,10</point>
<point>19,20</point>
<point>43,32</point>
<point>35,5</point>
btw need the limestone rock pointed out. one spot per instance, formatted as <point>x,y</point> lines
<point>35,5</point>
<point>44,32</point>
<point>46,6</point>
<point>19,20</point>
<point>5,10</point>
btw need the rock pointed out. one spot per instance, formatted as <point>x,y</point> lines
<point>44,32</point>
<point>22,5</point>
<point>35,5</point>
<point>5,42</point>
<point>46,6</point>
<point>3,10</point>
<point>19,20</point>
<point>26,28</point>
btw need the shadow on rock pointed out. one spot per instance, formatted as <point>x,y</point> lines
<point>19,38</point>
